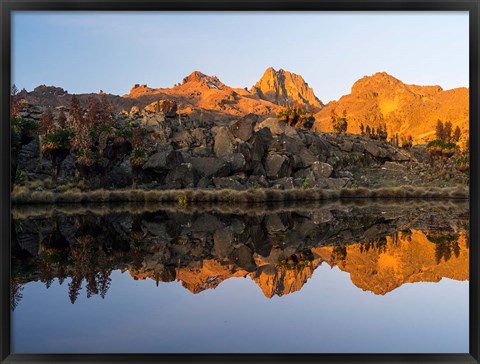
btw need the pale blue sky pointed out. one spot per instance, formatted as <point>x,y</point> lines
<point>89,51</point>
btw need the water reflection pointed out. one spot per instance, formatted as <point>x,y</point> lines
<point>380,245</point>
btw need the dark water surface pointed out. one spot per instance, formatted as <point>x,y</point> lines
<point>375,276</point>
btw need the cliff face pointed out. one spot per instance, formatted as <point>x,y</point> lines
<point>381,99</point>
<point>285,88</point>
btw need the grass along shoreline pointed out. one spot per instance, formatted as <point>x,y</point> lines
<point>23,195</point>
<point>24,211</point>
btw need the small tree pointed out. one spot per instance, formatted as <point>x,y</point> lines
<point>447,132</point>
<point>340,125</point>
<point>456,134</point>
<point>439,130</point>
<point>362,129</point>
<point>93,109</point>
<point>46,122</point>
<point>297,116</point>
<point>407,142</point>
<point>368,131</point>
<point>14,102</point>
<point>138,156</point>
<point>62,120</point>
<point>76,112</point>
<point>55,142</point>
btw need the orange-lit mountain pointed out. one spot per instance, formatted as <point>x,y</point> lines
<point>375,100</point>
<point>408,258</point>
<point>200,94</point>
<point>405,109</point>
<point>379,266</point>
<point>285,88</point>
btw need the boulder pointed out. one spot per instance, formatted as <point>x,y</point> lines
<point>200,139</point>
<point>277,127</point>
<point>120,176</point>
<point>321,170</point>
<point>243,128</point>
<point>134,112</point>
<point>182,139</point>
<point>346,146</point>
<point>164,160</point>
<point>67,167</point>
<point>202,151</point>
<point>165,107</point>
<point>303,159</point>
<point>227,182</point>
<point>400,157</point>
<point>375,150</point>
<point>183,176</point>
<point>277,166</point>
<point>237,162</point>
<point>224,146</point>
<point>358,147</point>
<point>335,183</point>
<point>223,243</point>
<point>256,181</point>
<point>242,257</point>
<point>260,143</point>
<point>284,183</point>
<point>210,166</point>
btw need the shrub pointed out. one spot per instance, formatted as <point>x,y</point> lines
<point>59,139</point>
<point>296,116</point>
<point>23,129</point>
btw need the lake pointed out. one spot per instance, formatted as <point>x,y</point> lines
<point>324,277</point>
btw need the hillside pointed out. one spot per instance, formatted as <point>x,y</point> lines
<point>381,99</point>
<point>375,100</point>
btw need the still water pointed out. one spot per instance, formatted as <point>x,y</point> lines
<point>352,277</point>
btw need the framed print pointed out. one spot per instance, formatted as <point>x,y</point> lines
<point>239,181</point>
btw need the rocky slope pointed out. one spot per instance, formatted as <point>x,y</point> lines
<point>247,152</point>
<point>405,109</point>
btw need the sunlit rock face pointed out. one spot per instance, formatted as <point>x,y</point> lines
<point>285,88</point>
<point>381,246</point>
<point>381,99</point>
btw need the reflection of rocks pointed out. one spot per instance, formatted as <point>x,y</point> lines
<point>382,247</point>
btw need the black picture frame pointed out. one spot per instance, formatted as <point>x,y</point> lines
<point>7,6</point>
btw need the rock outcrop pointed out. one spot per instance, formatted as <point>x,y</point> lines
<point>285,88</point>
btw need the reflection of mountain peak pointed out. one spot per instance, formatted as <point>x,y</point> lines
<point>279,251</point>
<point>411,258</point>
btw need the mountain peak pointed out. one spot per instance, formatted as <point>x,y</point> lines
<point>199,77</point>
<point>283,88</point>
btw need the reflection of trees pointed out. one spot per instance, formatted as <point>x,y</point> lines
<point>90,263</point>
<point>84,249</point>
<point>15,293</point>
<point>379,245</point>
<point>445,245</point>
<point>339,252</point>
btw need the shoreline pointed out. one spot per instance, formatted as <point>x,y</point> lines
<point>247,196</point>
